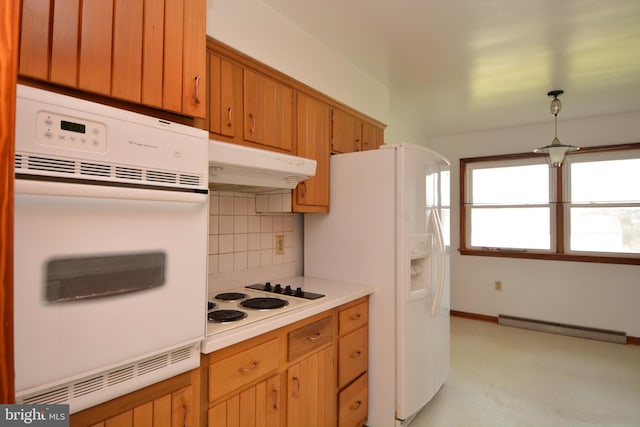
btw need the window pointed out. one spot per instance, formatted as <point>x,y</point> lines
<point>587,210</point>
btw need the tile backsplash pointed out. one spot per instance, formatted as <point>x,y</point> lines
<point>242,239</point>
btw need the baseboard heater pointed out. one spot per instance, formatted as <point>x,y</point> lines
<point>564,329</point>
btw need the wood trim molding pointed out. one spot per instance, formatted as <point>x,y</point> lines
<point>633,340</point>
<point>9,21</point>
<point>474,316</point>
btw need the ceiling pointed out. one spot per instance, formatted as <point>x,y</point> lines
<point>455,66</point>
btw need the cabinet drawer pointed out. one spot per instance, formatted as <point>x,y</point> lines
<point>353,406</point>
<point>243,368</point>
<point>308,338</point>
<point>352,318</point>
<point>353,357</point>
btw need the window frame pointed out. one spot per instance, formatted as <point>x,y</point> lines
<point>558,211</point>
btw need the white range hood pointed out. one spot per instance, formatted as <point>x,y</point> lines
<point>234,167</point>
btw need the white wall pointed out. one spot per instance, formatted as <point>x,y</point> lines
<point>259,31</point>
<point>588,294</point>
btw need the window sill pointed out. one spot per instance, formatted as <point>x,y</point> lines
<point>549,256</point>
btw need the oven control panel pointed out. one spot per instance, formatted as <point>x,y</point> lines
<point>70,132</point>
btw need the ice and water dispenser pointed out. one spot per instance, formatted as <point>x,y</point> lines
<point>420,250</point>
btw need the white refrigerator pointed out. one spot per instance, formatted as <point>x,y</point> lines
<point>389,226</point>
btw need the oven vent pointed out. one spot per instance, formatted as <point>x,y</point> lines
<point>49,164</point>
<point>189,179</point>
<point>109,172</point>
<point>120,375</point>
<point>180,355</point>
<point>152,364</point>
<point>160,176</point>
<point>56,395</point>
<point>92,390</point>
<point>128,173</point>
<point>87,386</point>
<point>95,169</point>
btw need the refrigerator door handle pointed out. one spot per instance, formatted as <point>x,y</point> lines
<point>441,261</point>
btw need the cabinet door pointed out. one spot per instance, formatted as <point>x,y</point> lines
<point>96,35</point>
<point>268,112</point>
<point>311,385</point>
<point>34,39</point>
<point>149,52</point>
<point>372,136</point>
<point>194,82</point>
<point>346,134</point>
<point>126,82</point>
<point>257,406</point>
<point>313,142</point>
<point>353,355</point>
<point>225,102</point>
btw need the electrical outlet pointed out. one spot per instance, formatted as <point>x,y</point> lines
<point>498,285</point>
<point>279,244</point>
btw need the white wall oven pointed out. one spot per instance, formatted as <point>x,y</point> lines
<point>111,214</point>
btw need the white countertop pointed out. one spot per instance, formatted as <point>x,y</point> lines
<point>336,294</point>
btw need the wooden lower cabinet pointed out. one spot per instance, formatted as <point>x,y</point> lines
<point>311,391</point>
<point>170,403</point>
<point>353,403</point>
<point>259,405</point>
<point>289,377</point>
<point>353,361</point>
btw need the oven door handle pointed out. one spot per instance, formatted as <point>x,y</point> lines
<point>50,188</point>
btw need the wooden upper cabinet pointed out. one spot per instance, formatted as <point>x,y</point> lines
<point>149,52</point>
<point>372,136</point>
<point>350,133</point>
<point>268,111</point>
<point>313,142</point>
<point>225,96</point>
<point>127,50</point>
<point>34,39</point>
<point>194,65</point>
<point>346,132</point>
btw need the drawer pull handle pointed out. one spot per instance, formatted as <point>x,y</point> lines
<point>356,316</point>
<point>315,336</point>
<point>356,405</point>
<point>253,366</point>
<point>356,354</point>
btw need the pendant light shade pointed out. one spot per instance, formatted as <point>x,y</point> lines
<point>557,150</point>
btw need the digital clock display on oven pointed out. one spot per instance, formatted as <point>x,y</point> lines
<point>73,127</point>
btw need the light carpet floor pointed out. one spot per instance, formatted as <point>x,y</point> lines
<point>508,377</point>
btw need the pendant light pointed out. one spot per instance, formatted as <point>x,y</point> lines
<point>556,150</point>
